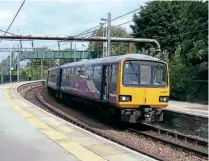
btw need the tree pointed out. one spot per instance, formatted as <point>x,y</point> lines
<point>157,20</point>
<point>194,33</point>
<point>116,47</point>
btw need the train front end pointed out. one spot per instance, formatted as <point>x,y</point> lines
<point>143,91</point>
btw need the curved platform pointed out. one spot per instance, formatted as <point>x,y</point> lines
<point>30,133</point>
<point>189,108</point>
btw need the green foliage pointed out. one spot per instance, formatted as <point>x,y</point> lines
<point>157,20</point>
<point>194,29</point>
<point>64,61</point>
<point>116,48</point>
<point>181,29</point>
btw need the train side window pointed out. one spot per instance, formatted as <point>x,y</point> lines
<point>89,73</point>
<point>97,72</point>
<point>72,73</point>
<point>114,73</point>
<point>68,73</point>
<point>83,73</point>
<point>52,76</point>
<point>77,73</point>
<point>63,74</point>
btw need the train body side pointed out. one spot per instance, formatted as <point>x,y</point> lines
<point>86,81</point>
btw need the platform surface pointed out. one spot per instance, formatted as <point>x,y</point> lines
<point>29,133</point>
<point>187,107</point>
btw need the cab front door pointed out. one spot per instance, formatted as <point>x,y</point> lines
<point>105,82</point>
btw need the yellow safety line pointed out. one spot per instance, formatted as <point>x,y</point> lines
<point>72,147</point>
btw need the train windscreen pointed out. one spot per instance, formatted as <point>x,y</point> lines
<point>144,73</point>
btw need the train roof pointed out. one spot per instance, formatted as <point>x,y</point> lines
<point>112,59</point>
<point>53,68</point>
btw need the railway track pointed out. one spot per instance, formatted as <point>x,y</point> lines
<point>188,143</point>
<point>185,143</point>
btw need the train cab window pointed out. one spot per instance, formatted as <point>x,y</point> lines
<point>131,74</point>
<point>159,75</point>
<point>145,75</point>
<point>89,73</point>
<point>114,73</point>
<point>97,72</point>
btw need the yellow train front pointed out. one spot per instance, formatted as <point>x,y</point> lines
<point>142,89</point>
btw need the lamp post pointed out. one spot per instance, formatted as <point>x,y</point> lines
<point>10,65</point>
<point>103,35</point>
<point>83,50</point>
<point>18,60</point>
<point>108,34</point>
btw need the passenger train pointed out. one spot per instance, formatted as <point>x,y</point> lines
<point>132,87</point>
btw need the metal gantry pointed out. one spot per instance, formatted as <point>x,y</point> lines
<point>82,38</point>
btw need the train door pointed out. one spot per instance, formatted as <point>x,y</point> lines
<point>47,79</point>
<point>105,82</point>
<point>60,78</point>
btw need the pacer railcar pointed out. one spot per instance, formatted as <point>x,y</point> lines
<point>130,87</point>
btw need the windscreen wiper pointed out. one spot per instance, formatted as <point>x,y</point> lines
<point>133,68</point>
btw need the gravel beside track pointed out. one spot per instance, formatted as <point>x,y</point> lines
<point>137,142</point>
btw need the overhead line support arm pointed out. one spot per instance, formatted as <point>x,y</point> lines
<point>72,38</point>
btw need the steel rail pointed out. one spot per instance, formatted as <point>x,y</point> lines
<point>177,135</point>
<point>175,141</point>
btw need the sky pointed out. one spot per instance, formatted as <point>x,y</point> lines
<point>61,18</point>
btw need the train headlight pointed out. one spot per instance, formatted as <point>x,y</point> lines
<point>125,98</point>
<point>163,99</point>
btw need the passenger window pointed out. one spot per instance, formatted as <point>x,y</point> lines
<point>90,73</point>
<point>73,73</point>
<point>63,74</point>
<point>69,72</point>
<point>83,73</point>
<point>77,73</point>
<point>97,72</point>
<point>114,73</point>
